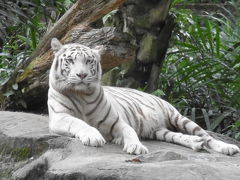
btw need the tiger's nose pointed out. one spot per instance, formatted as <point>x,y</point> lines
<point>82,75</point>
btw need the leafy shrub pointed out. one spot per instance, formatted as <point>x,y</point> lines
<point>22,23</point>
<point>201,73</point>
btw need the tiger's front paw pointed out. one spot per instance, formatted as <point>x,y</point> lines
<point>135,148</point>
<point>91,137</point>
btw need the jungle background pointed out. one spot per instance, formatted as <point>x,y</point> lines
<point>186,52</point>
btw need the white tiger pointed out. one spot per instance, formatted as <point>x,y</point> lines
<point>80,107</point>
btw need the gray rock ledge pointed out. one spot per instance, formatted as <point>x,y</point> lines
<point>29,152</point>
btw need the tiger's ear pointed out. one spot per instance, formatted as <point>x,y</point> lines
<point>56,44</point>
<point>98,50</point>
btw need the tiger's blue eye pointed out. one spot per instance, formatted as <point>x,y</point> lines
<point>70,60</point>
<point>88,61</point>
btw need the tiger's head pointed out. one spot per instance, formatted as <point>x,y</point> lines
<point>75,67</point>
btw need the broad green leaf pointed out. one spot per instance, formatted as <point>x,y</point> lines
<point>15,86</point>
<point>217,121</point>
<point>218,40</point>
<point>206,118</point>
<point>8,93</point>
<point>158,93</point>
<point>237,123</point>
<point>193,114</point>
<point>209,34</point>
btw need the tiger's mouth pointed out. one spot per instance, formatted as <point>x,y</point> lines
<point>85,85</point>
<point>79,84</point>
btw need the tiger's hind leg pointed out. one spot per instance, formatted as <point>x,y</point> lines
<point>187,126</point>
<point>194,142</point>
<point>214,144</point>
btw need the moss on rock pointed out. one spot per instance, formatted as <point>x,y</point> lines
<point>16,153</point>
<point>21,153</point>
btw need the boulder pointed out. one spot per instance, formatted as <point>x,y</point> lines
<point>29,152</point>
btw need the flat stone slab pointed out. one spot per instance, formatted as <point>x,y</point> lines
<point>18,124</point>
<point>64,158</point>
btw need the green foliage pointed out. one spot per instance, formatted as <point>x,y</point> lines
<point>158,92</point>
<point>108,19</point>
<point>236,129</point>
<point>22,24</point>
<point>202,69</point>
<point>31,14</point>
<point>206,1</point>
<point>21,153</point>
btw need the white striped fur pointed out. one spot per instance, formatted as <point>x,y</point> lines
<point>80,107</point>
